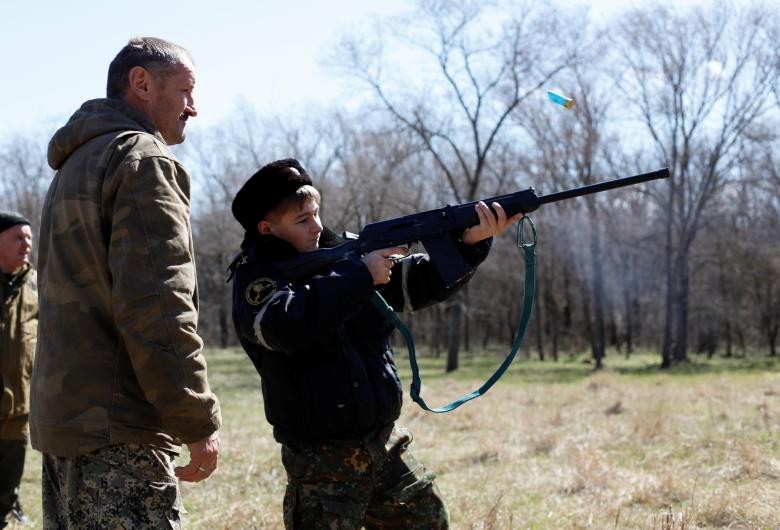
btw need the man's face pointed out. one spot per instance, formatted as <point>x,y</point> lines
<point>299,226</point>
<point>15,247</point>
<point>171,101</point>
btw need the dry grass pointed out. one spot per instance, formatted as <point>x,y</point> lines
<point>627,448</point>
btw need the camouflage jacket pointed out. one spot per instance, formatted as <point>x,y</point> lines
<point>18,328</point>
<point>119,359</point>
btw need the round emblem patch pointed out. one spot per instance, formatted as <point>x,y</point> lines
<point>260,290</point>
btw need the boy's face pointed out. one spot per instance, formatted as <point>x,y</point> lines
<point>299,226</point>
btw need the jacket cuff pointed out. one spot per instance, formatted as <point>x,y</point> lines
<point>476,253</point>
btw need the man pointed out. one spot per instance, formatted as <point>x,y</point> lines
<point>18,327</point>
<point>120,380</point>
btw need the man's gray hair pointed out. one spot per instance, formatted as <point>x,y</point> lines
<point>148,52</point>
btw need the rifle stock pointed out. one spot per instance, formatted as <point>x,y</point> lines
<point>433,229</point>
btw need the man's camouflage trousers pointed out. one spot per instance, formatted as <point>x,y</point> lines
<point>119,487</point>
<point>373,483</point>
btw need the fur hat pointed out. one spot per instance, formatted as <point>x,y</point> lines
<point>10,219</point>
<point>266,189</point>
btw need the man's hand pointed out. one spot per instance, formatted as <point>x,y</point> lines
<point>203,460</point>
<point>380,265</point>
<point>490,224</point>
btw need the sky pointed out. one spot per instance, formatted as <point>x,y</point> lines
<point>269,53</point>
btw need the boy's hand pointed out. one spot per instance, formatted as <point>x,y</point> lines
<point>380,265</point>
<point>490,224</point>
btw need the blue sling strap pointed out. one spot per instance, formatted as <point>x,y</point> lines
<point>529,249</point>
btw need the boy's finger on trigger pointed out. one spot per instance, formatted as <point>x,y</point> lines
<point>401,253</point>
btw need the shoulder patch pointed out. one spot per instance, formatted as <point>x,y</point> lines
<point>259,291</point>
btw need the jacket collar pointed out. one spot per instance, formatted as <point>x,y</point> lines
<point>265,249</point>
<point>11,283</point>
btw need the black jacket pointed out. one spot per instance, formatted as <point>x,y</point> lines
<point>320,347</point>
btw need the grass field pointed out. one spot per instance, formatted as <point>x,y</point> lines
<point>551,446</point>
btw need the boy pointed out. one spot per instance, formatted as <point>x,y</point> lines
<point>329,381</point>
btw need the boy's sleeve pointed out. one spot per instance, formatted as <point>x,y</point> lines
<point>416,283</point>
<point>279,316</point>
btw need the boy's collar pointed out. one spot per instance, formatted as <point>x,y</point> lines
<point>278,248</point>
<point>329,238</point>
<point>255,248</point>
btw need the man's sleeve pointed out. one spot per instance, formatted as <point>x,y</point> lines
<point>154,295</point>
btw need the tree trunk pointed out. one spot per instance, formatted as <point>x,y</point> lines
<point>629,303</point>
<point>453,347</point>
<point>666,345</point>
<point>612,328</point>
<point>586,316</point>
<point>770,324</point>
<point>551,328</point>
<point>683,296</point>
<point>597,340</point>
<point>729,338</point>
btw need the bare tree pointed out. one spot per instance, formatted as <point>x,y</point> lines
<point>760,215</point>
<point>696,78</point>
<point>24,176</point>
<point>478,62</point>
<point>220,163</point>
<point>376,172</point>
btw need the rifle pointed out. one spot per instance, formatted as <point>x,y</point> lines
<point>433,228</point>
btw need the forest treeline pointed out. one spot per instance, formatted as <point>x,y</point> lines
<point>448,104</point>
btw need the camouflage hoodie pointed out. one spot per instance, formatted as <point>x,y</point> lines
<point>118,358</point>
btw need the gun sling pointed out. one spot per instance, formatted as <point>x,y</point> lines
<point>529,249</point>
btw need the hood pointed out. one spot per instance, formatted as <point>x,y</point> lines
<point>96,118</point>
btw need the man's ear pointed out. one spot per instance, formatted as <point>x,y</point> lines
<point>264,228</point>
<point>140,82</point>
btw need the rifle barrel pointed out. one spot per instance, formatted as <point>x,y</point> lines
<point>602,186</point>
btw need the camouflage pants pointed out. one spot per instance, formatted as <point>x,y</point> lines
<point>118,487</point>
<point>374,483</point>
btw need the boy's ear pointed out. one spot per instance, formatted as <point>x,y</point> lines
<point>264,228</point>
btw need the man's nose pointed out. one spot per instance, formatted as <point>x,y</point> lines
<point>191,110</point>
